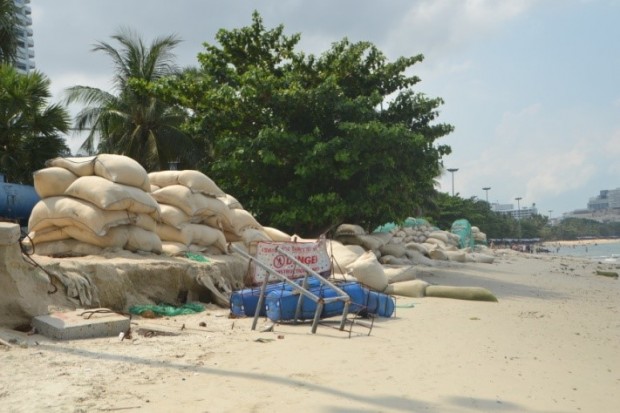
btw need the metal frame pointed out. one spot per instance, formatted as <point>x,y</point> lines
<point>302,289</point>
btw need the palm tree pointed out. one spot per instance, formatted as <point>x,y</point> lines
<point>8,33</point>
<point>132,122</point>
<point>30,130</point>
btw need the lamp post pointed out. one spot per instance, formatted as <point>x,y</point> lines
<point>550,211</point>
<point>452,171</point>
<point>518,199</point>
<point>486,189</point>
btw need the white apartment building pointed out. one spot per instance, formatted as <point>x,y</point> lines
<point>25,42</point>
<point>517,213</point>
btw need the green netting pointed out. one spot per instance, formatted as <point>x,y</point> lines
<point>196,257</point>
<point>415,222</point>
<point>462,228</point>
<point>386,227</point>
<point>167,309</point>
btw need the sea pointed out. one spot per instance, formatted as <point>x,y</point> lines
<point>603,252</point>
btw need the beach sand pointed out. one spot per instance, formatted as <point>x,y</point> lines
<point>551,344</point>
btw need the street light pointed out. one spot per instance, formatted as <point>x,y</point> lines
<point>518,199</point>
<point>550,211</point>
<point>452,171</point>
<point>486,189</point>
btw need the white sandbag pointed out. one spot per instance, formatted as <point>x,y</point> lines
<point>457,256</point>
<point>174,216</point>
<point>144,221</point>
<point>66,248</point>
<point>369,271</point>
<point>47,235</point>
<point>139,239</point>
<point>417,247</point>
<point>199,182</point>
<point>276,235</point>
<point>154,188</point>
<point>111,196</point>
<point>230,201</point>
<point>480,257</point>
<point>164,178</point>
<point>240,220</point>
<point>460,293</point>
<point>116,237</point>
<point>122,170</point>
<point>436,241</point>
<point>342,255</point>
<point>173,249</point>
<point>400,273</point>
<point>204,235</point>
<point>193,204</point>
<point>52,181</point>
<point>440,235</point>
<point>438,254</point>
<point>350,229</point>
<point>411,288</point>
<point>396,250</point>
<point>80,166</point>
<point>253,235</point>
<point>392,260</point>
<point>168,233</point>
<point>63,211</point>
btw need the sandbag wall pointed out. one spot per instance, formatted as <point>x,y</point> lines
<point>407,245</point>
<point>93,203</point>
<point>197,216</point>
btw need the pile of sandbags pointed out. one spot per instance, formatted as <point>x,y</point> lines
<point>407,245</point>
<point>479,236</point>
<point>93,203</point>
<point>198,216</point>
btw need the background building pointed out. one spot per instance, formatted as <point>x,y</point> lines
<point>509,209</point>
<point>25,43</point>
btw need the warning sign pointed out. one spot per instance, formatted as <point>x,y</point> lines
<point>312,254</point>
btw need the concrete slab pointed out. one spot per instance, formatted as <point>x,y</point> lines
<point>81,323</point>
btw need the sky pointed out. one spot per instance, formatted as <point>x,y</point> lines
<point>532,87</point>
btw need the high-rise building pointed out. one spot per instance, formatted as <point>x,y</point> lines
<point>25,44</point>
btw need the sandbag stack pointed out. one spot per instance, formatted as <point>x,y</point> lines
<point>479,236</point>
<point>89,204</point>
<point>196,215</point>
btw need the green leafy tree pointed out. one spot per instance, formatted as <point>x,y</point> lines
<point>30,129</point>
<point>132,122</point>
<point>309,142</point>
<point>8,32</point>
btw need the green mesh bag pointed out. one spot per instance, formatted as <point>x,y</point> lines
<point>462,228</point>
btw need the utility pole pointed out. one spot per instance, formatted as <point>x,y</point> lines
<point>452,171</point>
<point>486,189</point>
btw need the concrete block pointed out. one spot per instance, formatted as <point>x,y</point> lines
<point>9,233</point>
<point>81,323</point>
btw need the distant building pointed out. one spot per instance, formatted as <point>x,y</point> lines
<point>607,199</point>
<point>509,209</point>
<point>25,43</point>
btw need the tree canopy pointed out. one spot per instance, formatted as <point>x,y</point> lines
<point>129,121</point>
<point>309,142</point>
<point>30,129</point>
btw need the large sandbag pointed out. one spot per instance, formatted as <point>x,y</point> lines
<point>80,166</point>
<point>115,237</point>
<point>240,220</point>
<point>173,216</point>
<point>168,233</point>
<point>193,204</point>
<point>204,235</point>
<point>122,170</point>
<point>139,239</point>
<point>196,181</point>
<point>111,196</point>
<point>144,221</point>
<point>400,273</point>
<point>369,271</point>
<point>480,257</point>
<point>52,181</point>
<point>174,249</point>
<point>414,246</point>
<point>396,250</point>
<point>369,242</point>
<point>48,234</point>
<point>343,255</point>
<point>61,211</point>
<point>230,201</point>
<point>350,229</point>
<point>276,235</point>
<point>460,293</point>
<point>435,241</point>
<point>457,256</point>
<point>253,235</point>
<point>439,255</point>
<point>411,288</point>
<point>66,248</point>
<point>392,260</point>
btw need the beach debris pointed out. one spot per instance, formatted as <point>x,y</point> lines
<point>611,274</point>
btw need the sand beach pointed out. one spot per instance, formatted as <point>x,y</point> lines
<point>551,344</point>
